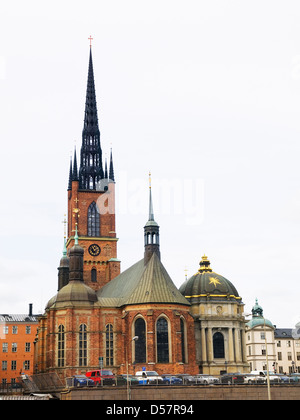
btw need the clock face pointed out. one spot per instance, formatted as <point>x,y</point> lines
<point>94,250</point>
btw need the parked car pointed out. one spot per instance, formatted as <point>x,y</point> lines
<point>254,379</point>
<point>106,376</point>
<point>148,377</point>
<point>122,380</point>
<point>187,379</point>
<point>295,376</point>
<point>287,379</point>
<point>169,379</point>
<point>81,380</point>
<point>232,378</point>
<point>206,379</point>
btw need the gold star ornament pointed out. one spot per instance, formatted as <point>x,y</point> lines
<point>214,281</point>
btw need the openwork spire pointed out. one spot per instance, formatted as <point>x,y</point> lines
<point>91,170</point>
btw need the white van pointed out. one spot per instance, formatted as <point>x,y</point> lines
<point>263,373</point>
<point>150,377</point>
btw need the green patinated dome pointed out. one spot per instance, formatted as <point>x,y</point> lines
<point>258,318</point>
<point>206,284</point>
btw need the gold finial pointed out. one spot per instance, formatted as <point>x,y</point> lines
<point>65,226</point>
<point>186,271</point>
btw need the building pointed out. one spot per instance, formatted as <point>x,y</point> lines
<point>287,347</point>
<point>17,336</point>
<point>280,345</point>
<point>260,341</point>
<point>217,309</point>
<point>137,318</point>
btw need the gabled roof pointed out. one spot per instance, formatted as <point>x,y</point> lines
<point>18,318</point>
<point>141,284</point>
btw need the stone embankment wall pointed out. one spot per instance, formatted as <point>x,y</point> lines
<point>178,393</point>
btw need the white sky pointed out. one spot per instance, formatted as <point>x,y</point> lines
<point>205,94</point>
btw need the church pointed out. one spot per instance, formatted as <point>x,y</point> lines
<point>136,318</point>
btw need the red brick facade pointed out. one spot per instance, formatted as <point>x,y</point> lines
<point>122,321</point>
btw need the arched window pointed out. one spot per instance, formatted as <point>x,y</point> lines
<point>218,344</point>
<point>109,345</point>
<point>82,345</point>
<point>94,275</point>
<point>93,227</point>
<point>61,346</point>
<point>183,335</point>
<point>140,344</point>
<point>162,340</point>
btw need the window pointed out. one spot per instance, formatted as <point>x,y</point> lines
<point>262,336</point>
<point>289,355</point>
<point>82,345</point>
<point>162,339</point>
<point>218,345</point>
<point>140,343</point>
<point>4,364</point>
<point>27,347</point>
<point>288,343</point>
<point>93,220</point>
<point>14,347</point>
<point>27,365</point>
<point>182,330</point>
<point>279,343</point>
<point>263,350</point>
<point>61,346</point>
<point>13,365</point>
<point>279,355</point>
<point>94,275</point>
<point>298,355</point>
<point>5,329</point>
<point>109,345</point>
<point>4,347</point>
<point>28,329</point>
<point>15,329</point>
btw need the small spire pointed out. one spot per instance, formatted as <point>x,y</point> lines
<point>151,213</point>
<point>105,169</point>
<point>111,167</point>
<point>75,170</point>
<point>70,175</point>
<point>65,247</point>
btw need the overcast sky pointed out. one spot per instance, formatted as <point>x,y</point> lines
<point>204,94</point>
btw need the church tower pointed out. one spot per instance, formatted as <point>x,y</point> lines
<point>91,199</point>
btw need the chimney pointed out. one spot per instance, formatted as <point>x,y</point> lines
<point>30,309</point>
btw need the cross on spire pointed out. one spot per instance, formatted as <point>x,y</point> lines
<point>91,39</point>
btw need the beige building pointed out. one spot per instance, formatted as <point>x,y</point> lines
<point>287,345</point>
<point>219,321</point>
<point>280,345</point>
